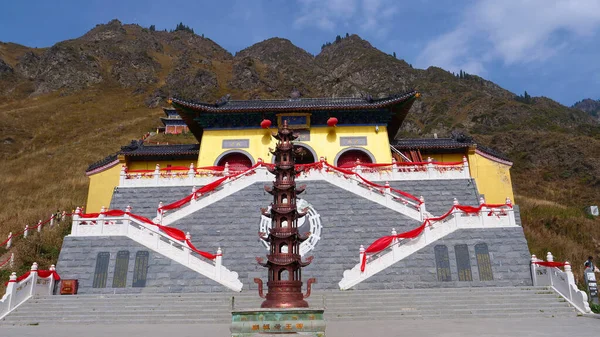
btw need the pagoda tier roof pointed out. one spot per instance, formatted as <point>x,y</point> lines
<point>454,143</point>
<point>137,150</point>
<point>297,104</point>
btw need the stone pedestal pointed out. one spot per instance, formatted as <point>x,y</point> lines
<point>277,322</point>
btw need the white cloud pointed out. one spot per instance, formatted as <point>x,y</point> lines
<point>512,31</point>
<point>370,16</point>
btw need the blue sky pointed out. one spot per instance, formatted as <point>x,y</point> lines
<point>547,47</point>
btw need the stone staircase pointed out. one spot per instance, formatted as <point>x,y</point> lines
<point>438,303</point>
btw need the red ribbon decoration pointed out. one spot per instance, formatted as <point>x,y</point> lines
<point>384,242</point>
<point>41,274</point>
<point>550,264</point>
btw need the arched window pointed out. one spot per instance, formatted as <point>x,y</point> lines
<point>442,263</point>
<point>237,161</point>
<point>283,248</point>
<point>349,158</point>
<point>303,155</point>
<point>463,263</point>
<point>484,264</point>
<point>284,274</point>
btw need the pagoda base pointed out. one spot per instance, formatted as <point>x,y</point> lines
<point>278,321</point>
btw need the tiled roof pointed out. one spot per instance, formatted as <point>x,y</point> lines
<point>138,149</point>
<point>107,160</point>
<point>460,142</point>
<point>297,104</point>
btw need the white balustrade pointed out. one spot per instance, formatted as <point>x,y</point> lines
<point>151,237</point>
<point>394,172</point>
<point>19,292</point>
<point>563,282</point>
<point>436,230</point>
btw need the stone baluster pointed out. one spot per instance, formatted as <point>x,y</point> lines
<point>549,257</point>
<point>570,278</point>
<point>75,221</point>
<point>226,169</point>
<point>191,171</point>
<point>156,174</point>
<point>12,260</point>
<point>481,200</point>
<point>126,219</point>
<point>123,175</point>
<point>422,208</point>
<point>34,276</point>
<point>194,196</point>
<point>11,291</point>
<point>534,270</point>
<point>455,202</point>
<point>159,213</point>
<point>430,167</point>
<point>9,242</point>
<point>52,280</point>
<point>188,236</point>
<point>508,201</point>
<point>218,263</point>
<point>466,173</point>
<point>361,253</point>
<point>26,231</point>
<point>100,221</point>
<point>39,226</point>
<point>52,217</point>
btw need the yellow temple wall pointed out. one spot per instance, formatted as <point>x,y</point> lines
<point>492,178</point>
<point>445,157</point>
<point>101,188</point>
<point>151,165</point>
<point>102,184</point>
<point>325,141</point>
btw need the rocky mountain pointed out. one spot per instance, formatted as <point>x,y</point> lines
<point>69,105</point>
<point>588,105</point>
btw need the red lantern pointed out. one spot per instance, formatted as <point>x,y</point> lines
<point>332,121</point>
<point>265,124</point>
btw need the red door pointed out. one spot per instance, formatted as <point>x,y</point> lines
<point>236,161</point>
<point>348,158</point>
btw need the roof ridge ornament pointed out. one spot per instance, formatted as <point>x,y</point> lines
<point>223,100</point>
<point>295,94</point>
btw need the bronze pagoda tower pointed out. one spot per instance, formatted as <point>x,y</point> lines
<point>284,261</point>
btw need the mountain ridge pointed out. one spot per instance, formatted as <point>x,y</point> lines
<point>68,105</point>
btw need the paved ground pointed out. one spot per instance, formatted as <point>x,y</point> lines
<point>545,327</point>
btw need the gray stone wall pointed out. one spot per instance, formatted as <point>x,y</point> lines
<point>77,260</point>
<point>348,221</point>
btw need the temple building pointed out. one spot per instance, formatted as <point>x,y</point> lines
<point>452,198</point>
<point>172,123</point>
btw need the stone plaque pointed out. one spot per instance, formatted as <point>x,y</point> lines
<point>484,264</point>
<point>353,141</point>
<point>442,263</point>
<point>303,135</point>
<point>101,271</point>
<point>140,269</point>
<point>463,263</point>
<point>120,274</point>
<point>236,143</point>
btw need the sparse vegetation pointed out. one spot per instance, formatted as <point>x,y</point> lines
<point>50,137</point>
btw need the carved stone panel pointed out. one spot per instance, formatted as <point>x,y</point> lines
<point>101,272</point>
<point>463,263</point>
<point>353,141</point>
<point>120,274</point>
<point>442,263</point>
<point>236,143</point>
<point>484,264</point>
<point>140,269</point>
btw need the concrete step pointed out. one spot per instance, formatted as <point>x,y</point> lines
<point>351,305</point>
